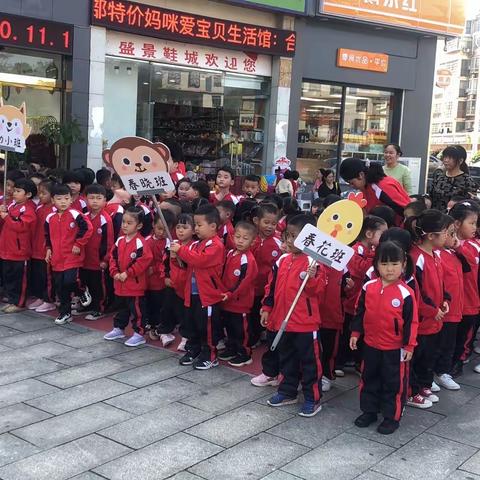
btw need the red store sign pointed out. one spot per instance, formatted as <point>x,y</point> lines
<point>147,20</point>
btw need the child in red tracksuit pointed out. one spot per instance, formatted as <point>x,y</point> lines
<point>15,243</point>
<point>238,278</point>
<point>466,215</point>
<point>97,253</point>
<point>41,282</point>
<point>266,251</point>
<point>387,318</point>
<point>203,289</point>
<point>429,231</point>
<point>299,348</point>
<point>76,183</point>
<point>226,210</point>
<point>129,261</point>
<point>67,231</point>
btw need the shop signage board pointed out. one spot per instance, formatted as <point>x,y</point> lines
<point>157,22</point>
<point>360,60</point>
<point>36,33</point>
<point>297,6</point>
<point>439,16</point>
<point>195,56</point>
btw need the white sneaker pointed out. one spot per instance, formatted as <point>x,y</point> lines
<point>114,334</point>
<point>477,349</point>
<point>63,319</point>
<point>339,373</point>
<point>435,388</point>
<point>181,345</point>
<point>326,384</point>
<point>75,303</point>
<point>45,307</point>
<point>477,368</point>
<point>85,298</point>
<point>263,381</point>
<point>35,304</point>
<point>445,380</point>
<point>135,340</point>
<point>221,345</point>
<point>167,339</point>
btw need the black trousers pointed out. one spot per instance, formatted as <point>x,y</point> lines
<point>173,313</point>
<point>66,284</point>
<point>255,328</point>
<point>41,280</point>
<point>384,384</point>
<point>154,300</point>
<point>236,325</point>
<point>95,281</point>
<point>345,354</point>
<point>300,360</point>
<point>110,289</point>
<point>465,338</point>
<point>423,362</point>
<point>134,309</point>
<point>445,348</point>
<point>330,339</point>
<point>15,276</point>
<point>271,360</point>
<point>204,329</point>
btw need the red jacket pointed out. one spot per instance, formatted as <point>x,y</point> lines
<point>156,271</point>
<point>266,252</point>
<point>100,243</point>
<point>178,275</point>
<point>286,278</point>
<point>39,247</point>
<point>431,295</point>
<point>17,232</point>
<point>357,267</point>
<point>331,301</point>
<point>238,278</point>
<point>134,258</point>
<point>470,251</point>
<point>225,234</point>
<point>116,211</point>
<point>63,232</point>
<point>387,316</point>
<point>453,277</point>
<point>204,259</point>
<point>229,196</point>
<point>80,204</point>
<point>390,192</point>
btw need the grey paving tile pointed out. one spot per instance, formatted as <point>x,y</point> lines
<point>149,398</point>
<point>451,401</point>
<point>252,459</point>
<point>185,476</point>
<point>82,340</point>
<point>155,461</point>
<point>425,456</point>
<point>92,352</point>
<point>3,348</point>
<point>72,425</point>
<point>348,399</point>
<point>413,423</point>
<point>70,377</point>
<point>18,415</point>
<point>468,475</point>
<point>152,373</point>
<point>13,449</point>
<point>237,425</point>
<point>23,390</point>
<point>349,381</point>
<point>34,352</point>
<point>280,475</point>
<point>153,426</point>
<point>78,328</point>
<point>216,376</point>
<point>87,476</point>
<point>371,475</point>
<point>25,322</point>
<point>8,331</point>
<point>356,454</point>
<point>79,396</point>
<point>470,377</point>
<point>144,356</point>
<point>38,336</point>
<point>312,432</point>
<point>65,461</point>
<point>28,369</point>
<point>225,397</point>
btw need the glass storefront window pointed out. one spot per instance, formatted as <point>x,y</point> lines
<point>216,117</point>
<point>340,122</point>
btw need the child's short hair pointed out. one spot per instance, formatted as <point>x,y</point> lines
<point>302,219</point>
<point>117,179</point>
<point>73,177</point>
<point>186,219</point>
<point>27,185</point>
<point>103,175</point>
<point>227,169</point>
<point>265,209</point>
<point>210,213</point>
<point>404,239</point>
<point>227,205</point>
<point>47,184</point>
<point>210,177</point>
<point>460,211</point>
<point>249,227</point>
<point>61,189</point>
<point>416,207</point>
<point>95,189</point>
<point>169,216</point>
<point>429,221</point>
<point>14,175</point>
<point>87,175</point>
<point>252,178</point>
<point>389,252</point>
<point>371,223</point>
<point>331,199</point>
<point>385,212</point>
<point>290,206</point>
<point>137,213</point>
<point>275,199</point>
<point>38,175</point>
<point>202,188</point>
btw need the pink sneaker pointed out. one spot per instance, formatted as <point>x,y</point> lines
<point>167,339</point>
<point>45,307</point>
<point>263,381</point>
<point>419,402</point>
<point>35,304</point>
<point>181,345</point>
<point>427,393</point>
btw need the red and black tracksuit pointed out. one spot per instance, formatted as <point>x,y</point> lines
<point>16,249</point>
<point>63,231</point>
<point>387,319</point>
<point>147,224</point>
<point>430,297</point>
<point>97,252</point>
<point>299,349</point>
<point>226,233</point>
<point>80,204</point>
<point>203,294</point>
<point>470,250</point>
<point>133,257</point>
<point>238,279</point>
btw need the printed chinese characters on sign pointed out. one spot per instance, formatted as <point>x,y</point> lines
<point>373,62</point>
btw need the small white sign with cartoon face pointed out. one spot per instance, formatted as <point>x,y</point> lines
<point>13,127</point>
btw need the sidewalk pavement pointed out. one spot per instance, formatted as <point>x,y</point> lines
<point>75,406</point>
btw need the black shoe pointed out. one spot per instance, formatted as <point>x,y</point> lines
<point>365,419</point>
<point>200,364</point>
<point>457,369</point>
<point>388,426</point>
<point>240,361</point>
<point>187,359</point>
<point>227,354</point>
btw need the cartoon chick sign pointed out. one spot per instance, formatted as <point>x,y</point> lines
<point>13,127</point>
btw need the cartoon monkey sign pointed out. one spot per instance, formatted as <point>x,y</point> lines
<point>13,127</point>
<point>142,165</point>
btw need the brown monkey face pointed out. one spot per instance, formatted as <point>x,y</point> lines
<point>141,159</point>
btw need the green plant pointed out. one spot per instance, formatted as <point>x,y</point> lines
<point>475,157</point>
<point>63,134</point>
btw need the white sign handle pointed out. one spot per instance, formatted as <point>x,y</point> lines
<point>5,178</point>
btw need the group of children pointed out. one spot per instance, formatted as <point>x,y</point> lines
<point>223,273</point>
